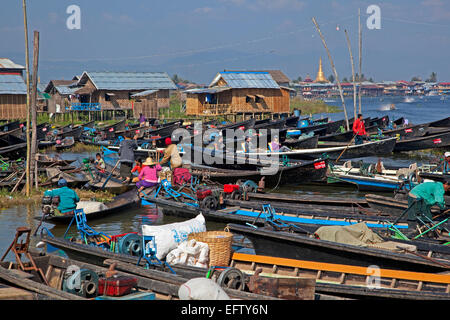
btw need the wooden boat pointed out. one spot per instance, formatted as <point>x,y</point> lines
<point>375,183</point>
<point>308,220</point>
<point>299,200</point>
<point>113,185</point>
<point>15,151</point>
<point>348,281</point>
<point>302,143</point>
<point>119,204</point>
<point>271,124</point>
<point>301,172</point>
<point>46,161</point>
<point>66,143</point>
<point>426,142</point>
<point>435,176</point>
<point>163,285</point>
<point>75,177</point>
<point>301,247</point>
<point>392,205</point>
<point>374,148</point>
<point>441,123</point>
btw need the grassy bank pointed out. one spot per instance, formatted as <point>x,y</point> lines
<point>12,199</point>
<point>313,106</point>
<point>77,148</point>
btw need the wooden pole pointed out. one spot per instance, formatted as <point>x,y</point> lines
<point>360,57</point>
<point>27,168</point>
<point>353,73</point>
<point>33,105</point>
<point>334,71</point>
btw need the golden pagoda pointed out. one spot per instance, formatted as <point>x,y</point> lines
<point>320,76</point>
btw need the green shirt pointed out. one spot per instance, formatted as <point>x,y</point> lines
<point>68,198</point>
<point>431,192</point>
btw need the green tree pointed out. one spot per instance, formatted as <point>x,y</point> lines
<point>416,79</point>
<point>331,78</point>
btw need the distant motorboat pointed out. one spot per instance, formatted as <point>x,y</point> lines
<point>387,107</point>
<point>409,100</point>
<point>392,106</point>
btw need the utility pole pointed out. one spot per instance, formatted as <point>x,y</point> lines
<point>27,168</point>
<point>34,107</point>
<point>335,72</point>
<point>353,72</point>
<point>360,57</point>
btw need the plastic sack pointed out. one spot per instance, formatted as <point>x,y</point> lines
<point>91,206</point>
<point>201,289</point>
<point>169,236</point>
<point>190,253</point>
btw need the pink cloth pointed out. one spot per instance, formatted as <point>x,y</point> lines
<point>150,174</point>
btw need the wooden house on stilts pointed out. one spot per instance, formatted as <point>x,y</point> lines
<point>244,93</point>
<point>13,91</point>
<point>122,93</point>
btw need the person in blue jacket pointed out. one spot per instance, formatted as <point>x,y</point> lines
<point>68,198</point>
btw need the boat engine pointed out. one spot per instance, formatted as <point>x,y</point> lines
<point>82,282</point>
<point>50,204</point>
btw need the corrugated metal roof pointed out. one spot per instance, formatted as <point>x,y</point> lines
<point>207,90</point>
<point>12,84</point>
<point>129,80</point>
<point>66,89</point>
<point>144,93</point>
<point>247,79</point>
<point>6,63</point>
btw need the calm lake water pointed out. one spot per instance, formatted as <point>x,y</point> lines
<point>419,110</point>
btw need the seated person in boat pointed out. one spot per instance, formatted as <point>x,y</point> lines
<point>68,198</point>
<point>138,166</point>
<point>149,175</point>
<point>422,197</point>
<point>100,164</point>
<point>359,129</point>
<point>247,146</point>
<point>275,146</point>
<point>171,155</point>
<point>126,156</point>
<point>446,168</point>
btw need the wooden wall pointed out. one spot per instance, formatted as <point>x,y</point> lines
<point>235,101</point>
<point>13,106</point>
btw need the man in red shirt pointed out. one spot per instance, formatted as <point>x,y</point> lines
<point>359,130</point>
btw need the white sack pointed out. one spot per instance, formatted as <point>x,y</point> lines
<point>201,289</point>
<point>190,253</point>
<point>169,236</point>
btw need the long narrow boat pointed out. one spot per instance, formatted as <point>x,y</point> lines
<point>350,281</point>
<point>393,205</point>
<point>301,247</point>
<point>121,203</point>
<point>374,148</point>
<point>302,143</point>
<point>307,199</point>
<point>150,284</point>
<point>426,142</point>
<point>306,219</point>
<point>331,279</point>
<point>441,123</point>
<point>302,172</point>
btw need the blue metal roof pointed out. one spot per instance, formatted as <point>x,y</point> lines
<point>129,80</point>
<point>66,89</point>
<point>207,90</point>
<point>247,79</point>
<point>12,84</point>
<point>144,93</point>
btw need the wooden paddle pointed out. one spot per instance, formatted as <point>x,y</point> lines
<point>110,175</point>
<point>348,145</point>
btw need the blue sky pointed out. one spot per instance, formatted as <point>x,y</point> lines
<point>197,38</point>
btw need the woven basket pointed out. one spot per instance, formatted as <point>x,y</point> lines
<point>219,243</point>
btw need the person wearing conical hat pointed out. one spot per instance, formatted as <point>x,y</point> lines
<point>149,174</point>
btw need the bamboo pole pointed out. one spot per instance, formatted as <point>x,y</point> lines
<point>360,57</point>
<point>353,72</point>
<point>33,106</point>
<point>27,168</point>
<point>334,71</point>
